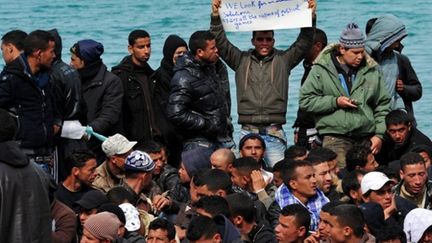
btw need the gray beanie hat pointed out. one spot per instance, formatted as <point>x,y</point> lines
<point>103,226</point>
<point>352,37</point>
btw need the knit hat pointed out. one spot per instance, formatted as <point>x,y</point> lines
<point>103,226</point>
<point>132,217</point>
<point>171,44</point>
<point>91,200</point>
<point>251,136</point>
<point>139,161</point>
<point>88,50</point>
<point>352,37</point>
<point>196,159</point>
<point>117,144</point>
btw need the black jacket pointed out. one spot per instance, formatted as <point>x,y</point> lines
<point>24,203</point>
<point>196,103</point>
<point>32,100</point>
<point>103,94</point>
<point>391,151</point>
<point>138,115</point>
<point>261,233</point>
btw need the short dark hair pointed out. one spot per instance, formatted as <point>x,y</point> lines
<point>320,36</point>
<point>351,216</point>
<point>288,172</point>
<point>357,156</point>
<point>256,31</point>
<point>136,34</point>
<point>399,116</point>
<point>201,226</point>
<point>198,40</point>
<point>411,158</point>
<point>316,159</point>
<point>253,136</point>
<point>119,195</point>
<point>198,178</point>
<point>37,40</point>
<point>295,151</point>
<point>214,205</point>
<point>78,158</point>
<point>16,38</point>
<point>163,224</point>
<point>350,181</point>
<point>241,204</point>
<point>301,214</point>
<point>216,179</point>
<point>391,231</point>
<point>279,165</point>
<point>326,208</point>
<point>152,147</point>
<point>245,165</point>
<point>8,127</point>
<point>326,153</point>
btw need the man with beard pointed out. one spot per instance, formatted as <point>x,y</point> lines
<point>401,137</point>
<point>134,71</point>
<point>24,87</point>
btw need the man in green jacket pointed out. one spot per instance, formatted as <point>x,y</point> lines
<point>345,91</point>
<point>261,77</point>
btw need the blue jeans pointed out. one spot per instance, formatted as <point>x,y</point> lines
<point>275,147</point>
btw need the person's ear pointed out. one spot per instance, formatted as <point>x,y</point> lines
<point>301,231</point>
<point>293,184</point>
<point>75,171</point>
<point>130,49</point>
<point>347,231</point>
<point>217,238</point>
<point>401,174</point>
<point>237,220</point>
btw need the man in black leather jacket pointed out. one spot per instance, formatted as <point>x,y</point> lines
<point>197,105</point>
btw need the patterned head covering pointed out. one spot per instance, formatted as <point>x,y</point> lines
<point>139,161</point>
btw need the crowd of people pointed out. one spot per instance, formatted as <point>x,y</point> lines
<point>158,163</point>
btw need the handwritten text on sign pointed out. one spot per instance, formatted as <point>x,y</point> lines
<point>247,15</point>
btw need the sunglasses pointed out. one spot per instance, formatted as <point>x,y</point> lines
<point>261,39</point>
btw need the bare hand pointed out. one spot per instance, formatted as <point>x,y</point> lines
<point>345,102</point>
<point>56,129</point>
<point>390,210</point>
<point>258,182</point>
<point>313,238</point>
<point>215,7</point>
<point>399,86</point>
<point>160,202</point>
<point>313,6</point>
<point>376,144</point>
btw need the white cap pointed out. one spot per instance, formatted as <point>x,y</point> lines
<point>133,222</point>
<point>117,144</point>
<point>373,181</point>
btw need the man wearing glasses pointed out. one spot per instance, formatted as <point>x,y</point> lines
<point>262,80</point>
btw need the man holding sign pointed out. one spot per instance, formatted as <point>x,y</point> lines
<point>262,72</point>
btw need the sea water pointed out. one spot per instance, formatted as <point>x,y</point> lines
<point>110,21</point>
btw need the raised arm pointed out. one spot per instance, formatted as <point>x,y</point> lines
<point>229,53</point>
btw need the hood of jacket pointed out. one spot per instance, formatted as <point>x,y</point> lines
<point>58,44</point>
<point>127,65</point>
<point>385,31</point>
<point>11,154</point>
<point>227,230</point>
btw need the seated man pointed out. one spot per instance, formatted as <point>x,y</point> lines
<point>300,187</point>
<point>213,182</point>
<point>400,137</point>
<point>161,230</point>
<point>360,157</point>
<point>111,171</point>
<point>101,227</point>
<point>87,206</point>
<point>414,184</point>
<point>347,224</point>
<point>81,166</point>
<point>243,216</point>
<point>222,159</point>
<point>377,187</point>
<point>253,145</point>
<point>351,187</point>
<point>294,223</point>
<point>246,175</point>
<point>323,176</point>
